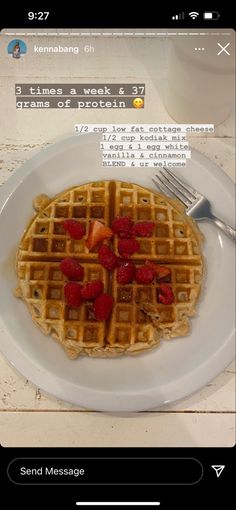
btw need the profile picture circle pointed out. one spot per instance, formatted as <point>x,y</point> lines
<point>16,48</point>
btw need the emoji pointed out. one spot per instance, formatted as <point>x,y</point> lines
<point>138,102</point>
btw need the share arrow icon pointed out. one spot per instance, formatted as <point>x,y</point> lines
<point>218,469</point>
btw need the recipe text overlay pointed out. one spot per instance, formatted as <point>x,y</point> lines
<point>145,145</point>
<point>75,95</point>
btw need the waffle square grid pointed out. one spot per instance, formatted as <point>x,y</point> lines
<point>132,327</point>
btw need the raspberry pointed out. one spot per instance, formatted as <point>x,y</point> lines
<point>143,229</point>
<point>103,307</point>
<point>127,247</point>
<point>92,289</point>
<point>125,272</point>
<point>72,269</point>
<point>144,274</point>
<point>74,228</point>
<point>107,258</point>
<point>122,226</point>
<point>165,294</point>
<point>72,293</point>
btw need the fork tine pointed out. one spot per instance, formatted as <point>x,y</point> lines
<point>185,186</point>
<point>160,187</point>
<point>166,184</point>
<point>176,186</point>
<point>174,191</point>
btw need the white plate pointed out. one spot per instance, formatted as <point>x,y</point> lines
<point>170,372</point>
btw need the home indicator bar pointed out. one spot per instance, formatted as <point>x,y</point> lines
<point>118,503</point>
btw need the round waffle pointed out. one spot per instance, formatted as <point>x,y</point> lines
<point>138,320</point>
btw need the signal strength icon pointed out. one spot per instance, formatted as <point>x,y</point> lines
<point>193,14</point>
<point>178,16</point>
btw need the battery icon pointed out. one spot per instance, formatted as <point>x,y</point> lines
<point>211,15</point>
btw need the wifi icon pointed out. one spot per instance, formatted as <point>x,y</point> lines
<point>193,14</point>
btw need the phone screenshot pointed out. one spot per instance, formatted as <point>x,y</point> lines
<point>117,259</point>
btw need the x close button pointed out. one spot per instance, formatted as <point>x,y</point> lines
<point>223,49</point>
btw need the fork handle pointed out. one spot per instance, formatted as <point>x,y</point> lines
<point>229,231</point>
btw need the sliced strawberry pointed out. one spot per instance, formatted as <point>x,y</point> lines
<point>97,233</point>
<point>162,273</point>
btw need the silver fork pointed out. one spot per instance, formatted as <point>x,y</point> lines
<point>196,204</point>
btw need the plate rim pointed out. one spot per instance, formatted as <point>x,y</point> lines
<point>126,401</point>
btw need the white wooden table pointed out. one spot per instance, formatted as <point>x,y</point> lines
<point>28,417</point>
